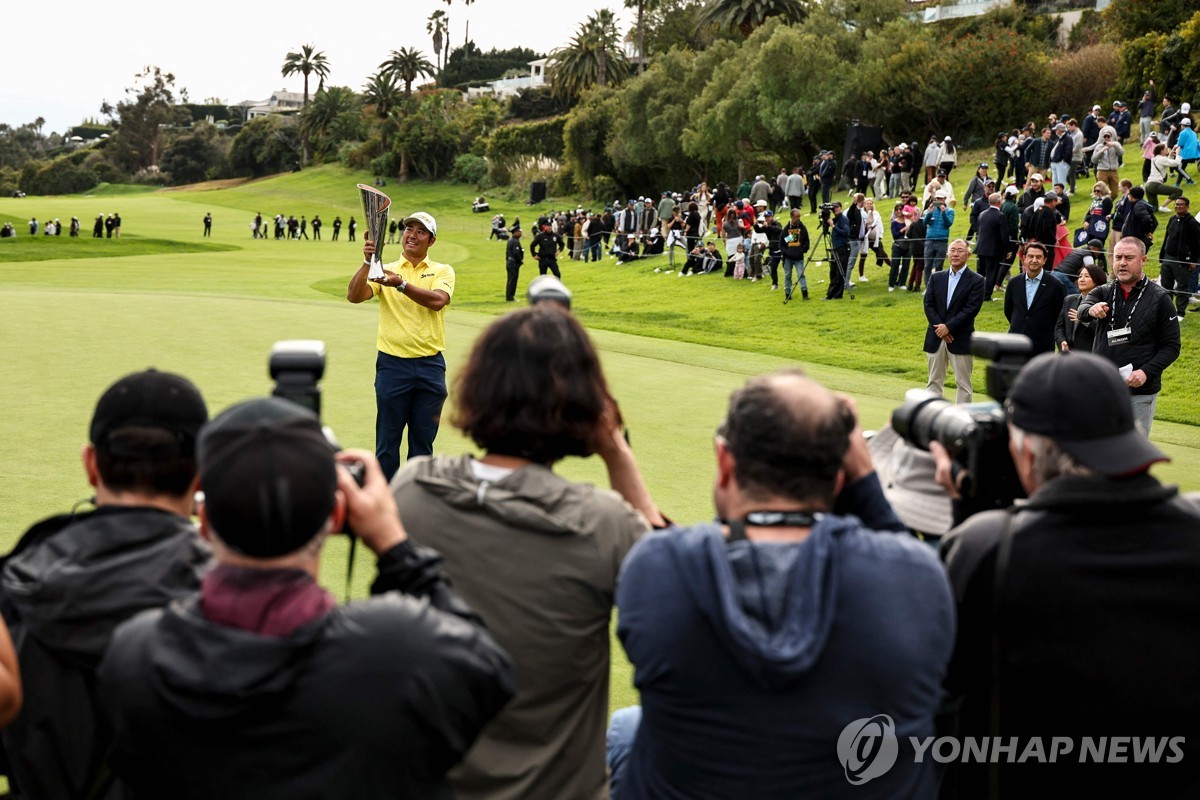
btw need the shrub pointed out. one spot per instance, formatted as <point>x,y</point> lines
<point>542,138</point>
<point>562,183</point>
<point>469,168</point>
<point>385,165</point>
<point>1088,31</point>
<point>1082,77</point>
<point>605,189</point>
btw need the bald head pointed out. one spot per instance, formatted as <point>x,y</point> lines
<point>788,436</point>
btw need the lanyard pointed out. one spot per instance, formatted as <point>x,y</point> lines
<point>1118,294</point>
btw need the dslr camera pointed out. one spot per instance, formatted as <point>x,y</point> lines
<point>975,435</point>
<point>297,366</point>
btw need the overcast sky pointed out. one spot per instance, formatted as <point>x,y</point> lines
<point>61,62</point>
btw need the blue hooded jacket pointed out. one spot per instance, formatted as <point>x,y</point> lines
<point>752,658</point>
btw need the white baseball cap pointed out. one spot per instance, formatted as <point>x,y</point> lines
<point>426,221</point>
<point>939,196</point>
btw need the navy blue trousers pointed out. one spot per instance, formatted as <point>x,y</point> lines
<point>409,393</point>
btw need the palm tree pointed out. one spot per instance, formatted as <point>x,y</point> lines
<point>438,27</point>
<point>322,116</point>
<point>306,62</point>
<point>384,93</point>
<point>592,57</point>
<point>642,7</point>
<point>407,64</point>
<point>746,15</point>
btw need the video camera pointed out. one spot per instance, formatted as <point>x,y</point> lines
<point>826,212</point>
<point>976,435</point>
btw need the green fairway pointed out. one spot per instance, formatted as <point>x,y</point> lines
<point>77,314</point>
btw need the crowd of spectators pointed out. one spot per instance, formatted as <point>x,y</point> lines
<point>1041,174</point>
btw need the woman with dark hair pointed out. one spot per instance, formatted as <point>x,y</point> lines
<point>692,225</point>
<point>1001,158</point>
<point>1068,333</point>
<point>947,156</point>
<point>976,189</point>
<point>536,555</point>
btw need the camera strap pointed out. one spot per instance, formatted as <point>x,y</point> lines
<point>999,580</point>
<point>350,564</point>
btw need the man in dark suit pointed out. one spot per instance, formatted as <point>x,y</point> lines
<point>1034,299</point>
<point>953,299</point>
<point>993,248</point>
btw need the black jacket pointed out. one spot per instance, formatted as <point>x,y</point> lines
<point>1097,619</point>
<point>1091,129</point>
<point>828,171</point>
<point>514,254</point>
<point>1043,225</point>
<point>69,583</point>
<point>855,219</point>
<point>1140,222</point>
<point>1181,242</point>
<point>993,240</point>
<point>376,699</point>
<point>1064,149</point>
<point>546,246</point>
<point>795,240</point>
<point>1036,320</point>
<point>1079,338</point>
<point>960,315</point>
<point>1028,196</point>
<point>1038,154</point>
<point>1155,342</point>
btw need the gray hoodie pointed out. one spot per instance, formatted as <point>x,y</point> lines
<point>1109,157</point>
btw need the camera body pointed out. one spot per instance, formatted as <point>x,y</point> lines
<point>975,435</point>
<point>297,366</point>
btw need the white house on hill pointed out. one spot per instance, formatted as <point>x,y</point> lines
<point>507,87</point>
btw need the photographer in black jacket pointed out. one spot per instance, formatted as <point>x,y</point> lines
<point>1076,609</point>
<point>260,685</point>
<point>74,577</point>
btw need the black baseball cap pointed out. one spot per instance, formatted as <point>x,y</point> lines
<point>268,476</point>
<point>149,399</point>
<point>1080,401</point>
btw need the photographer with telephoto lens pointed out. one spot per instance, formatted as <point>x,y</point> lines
<point>1085,591</point>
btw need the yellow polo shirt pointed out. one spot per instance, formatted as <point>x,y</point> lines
<point>408,329</point>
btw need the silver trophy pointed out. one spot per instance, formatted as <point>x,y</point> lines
<point>375,206</point>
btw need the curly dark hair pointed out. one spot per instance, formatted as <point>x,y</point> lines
<point>532,387</point>
<point>787,444</point>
